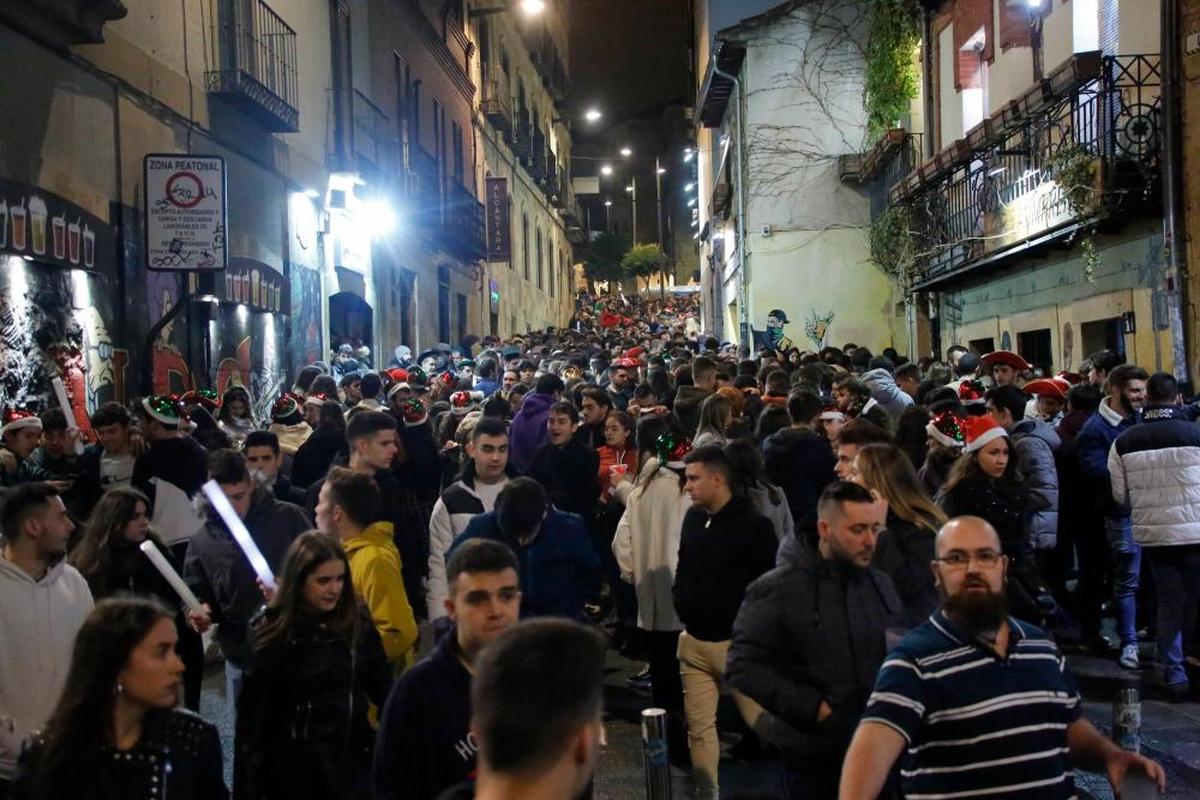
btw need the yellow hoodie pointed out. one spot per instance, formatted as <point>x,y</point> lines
<point>375,572</point>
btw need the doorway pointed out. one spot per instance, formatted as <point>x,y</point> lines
<point>1103,334</point>
<point>1034,347</point>
<point>351,321</point>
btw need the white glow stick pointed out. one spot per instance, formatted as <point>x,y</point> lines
<point>60,390</point>
<point>164,567</point>
<point>238,528</point>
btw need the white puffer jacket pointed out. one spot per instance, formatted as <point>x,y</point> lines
<point>646,544</point>
<point>1155,471</point>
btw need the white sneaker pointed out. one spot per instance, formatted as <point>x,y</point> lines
<point>1129,657</point>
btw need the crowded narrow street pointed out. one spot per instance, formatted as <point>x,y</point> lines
<point>599,399</point>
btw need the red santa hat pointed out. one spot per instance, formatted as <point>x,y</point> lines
<point>981,430</point>
<point>971,392</point>
<point>414,413</point>
<point>947,430</point>
<point>17,418</point>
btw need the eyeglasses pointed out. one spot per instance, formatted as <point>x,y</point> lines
<point>986,559</point>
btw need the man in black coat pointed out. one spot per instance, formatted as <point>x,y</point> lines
<point>800,460</point>
<point>809,639</point>
<point>566,467</point>
<point>425,743</point>
<point>218,571</point>
<point>724,545</point>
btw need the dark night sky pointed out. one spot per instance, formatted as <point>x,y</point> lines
<point>628,56</point>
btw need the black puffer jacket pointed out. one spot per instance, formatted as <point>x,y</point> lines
<point>315,456</point>
<point>809,632</point>
<point>302,728</point>
<point>801,462</point>
<point>1000,502</point>
<point>178,757</point>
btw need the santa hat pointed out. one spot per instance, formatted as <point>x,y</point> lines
<point>414,413</point>
<point>396,387</point>
<point>1007,358</point>
<point>625,363</point>
<point>971,393</point>
<point>635,353</point>
<point>17,418</point>
<point>831,413</point>
<point>671,450</point>
<point>205,398</point>
<point>315,399</point>
<point>167,409</point>
<point>462,402</point>
<point>947,430</point>
<point>1055,388</point>
<point>981,430</point>
<point>395,375</point>
<point>286,406</point>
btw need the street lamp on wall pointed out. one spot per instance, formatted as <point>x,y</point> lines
<point>530,8</point>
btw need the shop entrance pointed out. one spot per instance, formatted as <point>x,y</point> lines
<point>351,321</point>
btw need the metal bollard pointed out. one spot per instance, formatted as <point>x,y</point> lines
<point>1127,719</point>
<point>654,753</point>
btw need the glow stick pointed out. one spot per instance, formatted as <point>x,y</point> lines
<point>60,390</point>
<point>167,571</point>
<point>238,528</point>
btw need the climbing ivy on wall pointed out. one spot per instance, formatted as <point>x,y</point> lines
<point>892,79</point>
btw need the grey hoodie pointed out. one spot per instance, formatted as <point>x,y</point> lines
<point>1035,443</point>
<point>886,393</point>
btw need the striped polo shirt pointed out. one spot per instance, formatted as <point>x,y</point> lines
<point>977,724</point>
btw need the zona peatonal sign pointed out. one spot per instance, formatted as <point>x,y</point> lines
<point>185,212</point>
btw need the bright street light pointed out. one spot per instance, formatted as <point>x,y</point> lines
<point>533,7</point>
<point>689,187</point>
<point>625,151</point>
<point>592,115</point>
<point>629,188</point>
<point>608,202</point>
<point>378,218</point>
<point>688,155</point>
<point>606,169</point>
<point>661,170</point>
<point>691,202</point>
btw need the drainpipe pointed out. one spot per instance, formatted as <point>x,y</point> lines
<point>929,108</point>
<point>744,334</point>
<point>1173,231</point>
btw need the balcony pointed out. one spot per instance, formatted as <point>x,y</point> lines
<point>370,135</point>
<point>424,189</point>
<point>1078,151</point>
<point>537,156</point>
<point>465,228</point>
<point>523,140</point>
<point>880,169</point>
<point>495,106</point>
<point>254,54</point>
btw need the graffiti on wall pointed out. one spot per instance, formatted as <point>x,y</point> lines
<point>55,323</point>
<point>306,347</point>
<point>816,327</point>
<point>773,338</point>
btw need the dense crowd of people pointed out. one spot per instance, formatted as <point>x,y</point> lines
<point>882,561</point>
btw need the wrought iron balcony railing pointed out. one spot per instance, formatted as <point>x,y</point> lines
<point>253,60</point>
<point>465,226</point>
<point>424,189</point>
<point>537,155</point>
<point>370,134</point>
<point>495,106</point>
<point>1080,149</point>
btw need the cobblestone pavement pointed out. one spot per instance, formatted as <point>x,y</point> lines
<point>1170,733</point>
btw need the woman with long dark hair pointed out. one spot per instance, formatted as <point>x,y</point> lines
<point>116,734</point>
<point>327,442</point>
<point>986,482</point>
<point>109,557</point>
<point>302,728</point>
<point>905,548</point>
<point>236,417</point>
